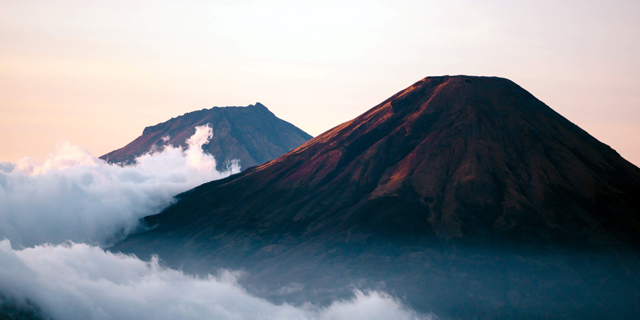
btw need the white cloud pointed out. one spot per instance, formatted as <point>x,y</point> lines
<point>80,281</point>
<point>76,196</point>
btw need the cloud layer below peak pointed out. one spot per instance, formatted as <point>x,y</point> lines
<point>76,196</point>
<point>55,216</point>
<point>80,281</point>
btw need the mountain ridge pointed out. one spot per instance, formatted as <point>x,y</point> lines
<point>252,135</point>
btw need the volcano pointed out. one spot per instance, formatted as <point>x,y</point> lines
<point>251,135</point>
<point>447,158</point>
<point>465,195</point>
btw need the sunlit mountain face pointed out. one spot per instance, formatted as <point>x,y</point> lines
<point>465,196</point>
<point>456,198</point>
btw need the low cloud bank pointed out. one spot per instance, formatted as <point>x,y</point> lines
<point>76,196</point>
<point>62,210</point>
<point>80,281</point>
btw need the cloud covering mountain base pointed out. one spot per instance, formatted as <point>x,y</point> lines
<point>76,196</point>
<point>55,216</point>
<point>80,281</point>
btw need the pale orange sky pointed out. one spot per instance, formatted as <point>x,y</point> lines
<point>96,74</point>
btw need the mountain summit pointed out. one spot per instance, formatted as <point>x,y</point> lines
<point>252,135</point>
<point>466,196</point>
<point>450,158</point>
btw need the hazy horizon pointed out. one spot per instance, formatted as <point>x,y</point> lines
<point>458,199</point>
<point>96,74</point>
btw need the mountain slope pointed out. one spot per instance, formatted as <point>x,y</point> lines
<point>450,157</point>
<point>466,196</point>
<point>251,134</point>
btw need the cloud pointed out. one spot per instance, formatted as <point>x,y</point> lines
<point>76,196</point>
<point>80,281</point>
<point>59,212</point>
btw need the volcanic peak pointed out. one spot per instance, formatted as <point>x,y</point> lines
<point>475,158</point>
<point>424,192</point>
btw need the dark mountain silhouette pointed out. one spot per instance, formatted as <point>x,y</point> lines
<point>13,310</point>
<point>253,135</point>
<point>467,196</point>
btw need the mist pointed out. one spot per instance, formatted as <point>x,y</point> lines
<point>80,281</point>
<point>76,196</point>
<point>58,215</point>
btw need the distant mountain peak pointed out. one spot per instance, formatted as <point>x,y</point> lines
<point>252,135</point>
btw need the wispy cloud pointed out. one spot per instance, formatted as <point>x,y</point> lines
<point>80,281</point>
<point>75,196</point>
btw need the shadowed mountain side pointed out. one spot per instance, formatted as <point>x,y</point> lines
<point>466,196</point>
<point>448,158</point>
<point>13,310</point>
<point>252,135</point>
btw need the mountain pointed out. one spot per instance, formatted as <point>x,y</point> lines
<point>467,196</point>
<point>253,135</point>
<point>447,158</point>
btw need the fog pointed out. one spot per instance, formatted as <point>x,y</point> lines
<point>57,216</point>
<point>80,281</point>
<point>75,196</point>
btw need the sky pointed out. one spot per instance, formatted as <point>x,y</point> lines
<point>95,73</point>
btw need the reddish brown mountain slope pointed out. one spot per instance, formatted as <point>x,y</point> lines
<point>464,196</point>
<point>449,157</point>
<point>250,134</point>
